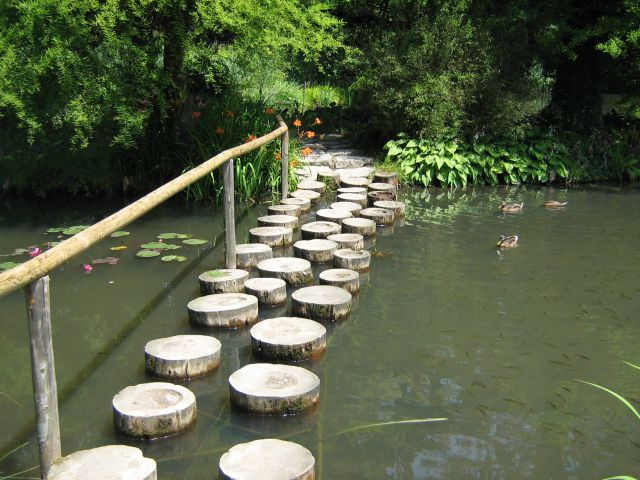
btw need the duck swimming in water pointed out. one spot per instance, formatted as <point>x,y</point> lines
<point>508,242</point>
<point>510,207</point>
<point>554,204</point>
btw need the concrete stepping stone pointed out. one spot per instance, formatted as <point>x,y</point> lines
<point>267,459</point>
<point>294,271</point>
<point>360,190</point>
<point>350,160</point>
<point>364,226</point>
<point>364,171</point>
<point>290,221</point>
<point>377,196</point>
<point>358,260</point>
<point>319,229</point>
<point>398,208</point>
<point>317,250</point>
<point>312,185</point>
<point>152,410</point>
<point>222,281</point>
<point>343,278</point>
<point>272,389</point>
<point>358,198</point>
<point>321,302</point>
<point>310,195</point>
<point>224,310</point>
<point>248,255</point>
<point>381,187</point>
<point>293,210</point>
<point>268,291</point>
<point>272,236</point>
<point>354,241</point>
<point>351,207</point>
<point>288,339</point>
<point>111,462</point>
<point>303,203</point>
<point>354,181</point>
<point>333,215</point>
<point>386,177</point>
<point>182,356</point>
<point>329,177</point>
<point>381,216</point>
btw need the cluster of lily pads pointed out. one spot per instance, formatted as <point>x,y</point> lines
<point>155,249</point>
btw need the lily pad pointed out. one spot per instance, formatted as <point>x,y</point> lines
<point>118,248</point>
<point>169,235</point>
<point>17,251</point>
<point>147,253</point>
<point>119,233</point>
<point>56,229</point>
<point>8,265</point>
<point>155,245</point>
<point>171,246</point>
<point>173,258</point>
<point>75,229</point>
<point>194,241</point>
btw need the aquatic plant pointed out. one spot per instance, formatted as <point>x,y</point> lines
<point>17,475</point>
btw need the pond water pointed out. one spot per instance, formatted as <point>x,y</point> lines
<point>445,327</point>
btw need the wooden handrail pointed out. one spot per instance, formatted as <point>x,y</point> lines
<point>44,263</point>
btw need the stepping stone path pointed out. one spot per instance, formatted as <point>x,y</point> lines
<point>350,207</point>
<point>293,210</point>
<point>333,215</point>
<point>381,216</point>
<point>316,251</point>
<point>358,260</point>
<point>354,181</point>
<point>359,190</point>
<point>290,221</point>
<point>288,339</point>
<point>267,459</point>
<point>112,462</point>
<point>397,208</point>
<point>273,389</point>
<point>182,356</point>
<point>222,281</point>
<point>312,185</point>
<point>294,271</point>
<point>363,226</point>
<point>272,236</point>
<point>321,302</point>
<point>310,195</point>
<point>151,410</point>
<point>342,277</point>
<point>303,203</point>
<point>359,198</point>
<point>319,229</point>
<point>248,255</point>
<point>226,310</point>
<point>376,196</point>
<point>268,291</point>
<point>354,241</point>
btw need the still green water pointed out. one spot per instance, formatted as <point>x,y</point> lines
<point>445,326</point>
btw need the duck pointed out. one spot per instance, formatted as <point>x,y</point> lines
<point>554,204</point>
<point>511,207</point>
<point>508,242</point>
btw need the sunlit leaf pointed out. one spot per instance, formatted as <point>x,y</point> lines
<point>119,233</point>
<point>216,273</point>
<point>75,229</point>
<point>173,258</point>
<point>194,241</point>
<point>159,246</point>
<point>8,265</point>
<point>56,229</point>
<point>147,253</point>
<point>168,236</point>
<point>118,248</point>
<point>616,395</point>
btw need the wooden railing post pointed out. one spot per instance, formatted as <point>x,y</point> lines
<point>228,197</point>
<point>285,164</point>
<point>43,372</point>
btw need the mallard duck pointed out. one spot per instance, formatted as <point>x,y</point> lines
<point>508,242</point>
<point>511,207</point>
<point>554,204</point>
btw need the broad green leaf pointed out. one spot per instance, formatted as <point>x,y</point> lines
<point>7,265</point>
<point>75,229</point>
<point>147,253</point>
<point>195,241</point>
<point>119,233</point>
<point>56,229</point>
<point>171,235</point>
<point>394,150</point>
<point>411,144</point>
<point>439,161</point>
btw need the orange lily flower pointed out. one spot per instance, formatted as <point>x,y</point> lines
<point>196,115</point>
<point>310,134</point>
<point>297,123</point>
<point>317,121</point>
<point>219,130</point>
<point>278,156</point>
<point>231,114</point>
<point>306,151</point>
<point>250,138</point>
<point>269,111</point>
<point>294,163</point>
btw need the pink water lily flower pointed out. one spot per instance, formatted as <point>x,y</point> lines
<point>34,252</point>
<point>87,268</point>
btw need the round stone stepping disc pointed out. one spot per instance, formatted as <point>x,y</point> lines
<point>312,185</point>
<point>222,281</point>
<point>293,210</point>
<point>272,389</point>
<point>182,356</point>
<point>248,255</point>
<point>321,302</point>
<point>381,216</point>
<point>363,226</point>
<point>358,198</point>
<point>317,250</point>
<point>268,291</point>
<point>397,208</point>
<point>288,338</point>
<point>343,278</point>
<point>112,462</point>
<point>376,196</point>
<point>151,410</point>
<point>321,229</point>
<point>354,241</point>
<point>381,187</point>
<point>310,195</point>
<point>333,215</point>
<point>272,236</point>
<point>358,260</point>
<point>303,203</point>
<point>360,190</point>
<point>267,459</point>
<point>294,271</point>
<point>386,177</point>
<point>352,207</point>
<point>228,310</point>
<point>290,221</point>
<point>354,181</point>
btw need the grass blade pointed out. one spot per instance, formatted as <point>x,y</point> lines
<point>619,397</point>
<point>620,477</point>
<point>631,364</point>
<point>384,424</point>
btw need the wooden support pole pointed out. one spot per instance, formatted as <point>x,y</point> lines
<point>228,196</point>
<point>45,391</point>
<point>285,164</point>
